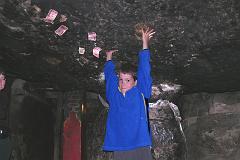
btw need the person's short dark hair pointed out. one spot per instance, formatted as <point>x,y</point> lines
<point>129,68</point>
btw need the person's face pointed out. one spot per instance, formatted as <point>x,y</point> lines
<point>126,82</point>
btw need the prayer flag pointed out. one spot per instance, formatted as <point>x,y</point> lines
<point>52,14</point>
<point>96,51</point>
<point>92,36</point>
<point>81,50</point>
<point>61,30</point>
<point>2,81</point>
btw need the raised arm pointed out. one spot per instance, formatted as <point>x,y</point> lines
<point>144,79</point>
<point>146,36</point>
<point>110,75</point>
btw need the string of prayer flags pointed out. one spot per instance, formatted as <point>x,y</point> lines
<point>52,14</point>
<point>81,50</point>
<point>96,51</point>
<point>61,30</point>
<point>92,36</point>
<point>2,81</point>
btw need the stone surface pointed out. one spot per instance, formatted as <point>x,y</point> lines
<point>31,123</point>
<point>168,143</point>
<point>211,125</point>
<point>196,44</point>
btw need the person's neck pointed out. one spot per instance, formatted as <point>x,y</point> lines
<point>124,93</point>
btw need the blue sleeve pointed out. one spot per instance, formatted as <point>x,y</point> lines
<point>111,79</point>
<point>144,79</point>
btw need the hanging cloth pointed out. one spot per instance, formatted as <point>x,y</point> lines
<point>72,138</point>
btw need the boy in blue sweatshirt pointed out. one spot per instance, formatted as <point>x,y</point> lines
<point>127,131</point>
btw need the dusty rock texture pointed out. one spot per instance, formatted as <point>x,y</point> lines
<point>196,43</point>
<point>211,123</point>
<point>167,140</point>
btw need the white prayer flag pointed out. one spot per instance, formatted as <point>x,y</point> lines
<point>81,50</point>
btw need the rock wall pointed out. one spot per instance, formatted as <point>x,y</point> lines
<point>5,145</point>
<point>211,125</point>
<point>168,142</point>
<point>31,125</point>
<point>167,139</point>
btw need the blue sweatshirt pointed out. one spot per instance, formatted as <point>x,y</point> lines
<point>127,123</point>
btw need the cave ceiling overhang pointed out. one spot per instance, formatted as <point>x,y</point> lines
<point>196,44</point>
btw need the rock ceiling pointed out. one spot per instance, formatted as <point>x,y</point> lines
<point>196,44</point>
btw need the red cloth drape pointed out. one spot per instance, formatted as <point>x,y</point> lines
<point>72,138</point>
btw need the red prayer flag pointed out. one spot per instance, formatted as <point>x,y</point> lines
<point>61,30</point>
<point>52,14</point>
<point>92,36</point>
<point>96,51</point>
<point>2,81</point>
